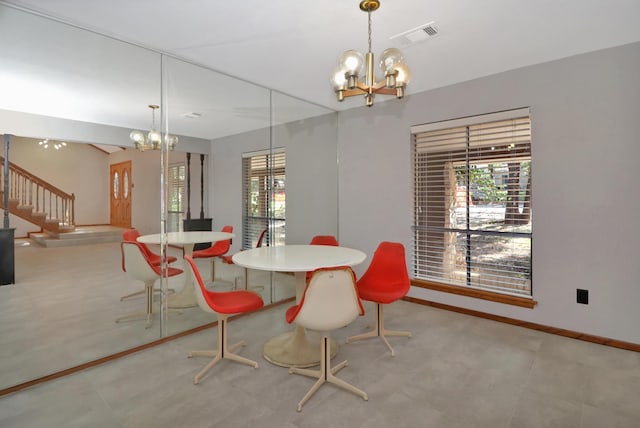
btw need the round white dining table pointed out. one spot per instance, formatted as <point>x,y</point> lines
<point>186,298</point>
<point>295,348</point>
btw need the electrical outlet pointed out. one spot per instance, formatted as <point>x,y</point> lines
<point>582,296</point>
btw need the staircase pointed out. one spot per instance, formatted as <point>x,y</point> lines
<point>37,201</point>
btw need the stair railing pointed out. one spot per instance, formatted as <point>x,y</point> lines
<point>45,198</point>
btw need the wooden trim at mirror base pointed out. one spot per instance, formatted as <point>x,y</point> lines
<point>629,346</point>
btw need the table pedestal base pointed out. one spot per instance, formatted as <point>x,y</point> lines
<point>186,298</point>
<point>295,349</point>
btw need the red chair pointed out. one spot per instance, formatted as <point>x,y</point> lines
<point>385,281</point>
<point>322,240</point>
<point>228,259</point>
<point>218,249</point>
<point>137,265</point>
<point>330,301</point>
<point>131,235</point>
<point>223,304</point>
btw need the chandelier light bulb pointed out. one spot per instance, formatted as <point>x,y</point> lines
<point>137,136</point>
<point>171,140</point>
<point>389,59</point>
<point>352,62</point>
<point>404,74</point>
<point>338,80</point>
<point>154,137</point>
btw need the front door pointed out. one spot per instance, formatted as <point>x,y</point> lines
<point>120,183</point>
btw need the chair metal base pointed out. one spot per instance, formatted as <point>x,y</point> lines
<point>326,374</point>
<point>380,331</point>
<point>148,291</point>
<point>223,352</point>
<point>141,292</point>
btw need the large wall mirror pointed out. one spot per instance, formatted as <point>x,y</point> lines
<point>66,84</point>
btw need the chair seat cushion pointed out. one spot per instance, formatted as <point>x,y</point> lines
<point>208,252</point>
<point>171,271</point>
<point>234,302</point>
<point>154,259</point>
<point>227,259</point>
<point>381,296</point>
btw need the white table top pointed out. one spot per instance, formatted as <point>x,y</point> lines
<point>298,258</point>
<point>192,237</point>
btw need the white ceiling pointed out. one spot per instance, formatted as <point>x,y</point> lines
<point>293,46</point>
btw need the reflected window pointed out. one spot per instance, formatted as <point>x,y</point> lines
<point>125,184</point>
<point>264,197</point>
<point>176,189</point>
<point>116,185</point>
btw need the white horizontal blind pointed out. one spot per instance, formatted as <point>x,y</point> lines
<point>472,204</point>
<point>264,193</point>
<point>176,189</point>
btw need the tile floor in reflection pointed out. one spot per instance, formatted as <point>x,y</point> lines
<point>61,311</point>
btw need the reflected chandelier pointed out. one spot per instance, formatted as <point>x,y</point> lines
<point>347,80</point>
<point>56,145</point>
<point>153,138</point>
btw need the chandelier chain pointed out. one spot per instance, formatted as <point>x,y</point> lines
<point>369,13</point>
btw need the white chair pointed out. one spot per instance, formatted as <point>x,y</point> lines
<point>330,301</point>
<point>136,264</point>
<point>131,235</point>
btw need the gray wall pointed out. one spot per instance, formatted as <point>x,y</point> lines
<point>585,144</point>
<point>312,177</point>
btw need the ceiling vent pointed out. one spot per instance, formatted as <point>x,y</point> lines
<point>416,35</point>
<point>191,115</point>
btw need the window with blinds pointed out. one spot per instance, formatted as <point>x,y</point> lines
<point>264,197</point>
<point>472,202</point>
<point>176,190</point>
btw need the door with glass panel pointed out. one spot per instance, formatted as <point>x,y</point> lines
<point>120,179</point>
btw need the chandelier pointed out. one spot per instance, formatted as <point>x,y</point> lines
<point>56,145</point>
<point>153,139</point>
<point>348,79</point>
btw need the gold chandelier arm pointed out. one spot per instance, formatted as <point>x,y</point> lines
<point>385,91</point>
<point>361,89</point>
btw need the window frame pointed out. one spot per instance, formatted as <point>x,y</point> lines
<point>176,186</point>
<point>467,144</point>
<point>268,168</point>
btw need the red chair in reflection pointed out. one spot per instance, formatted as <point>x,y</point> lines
<point>218,249</point>
<point>322,240</point>
<point>228,259</point>
<point>131,235</point>
<point>223,304</point>
<point>385,281</point>
<point>136,264</point>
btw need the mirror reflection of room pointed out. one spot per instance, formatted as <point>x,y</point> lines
<point>68,255</point>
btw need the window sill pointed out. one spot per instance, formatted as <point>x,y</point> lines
<point>475,293</point>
